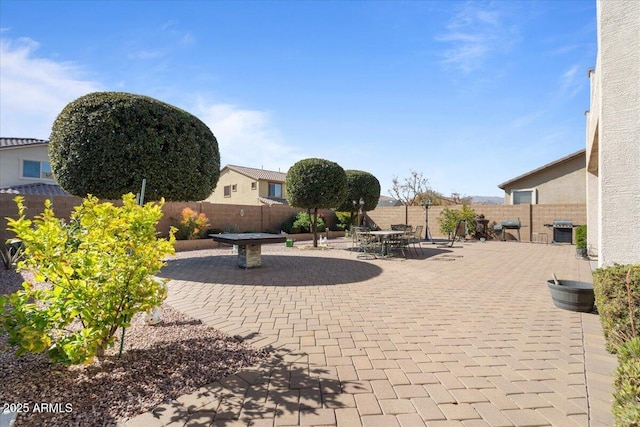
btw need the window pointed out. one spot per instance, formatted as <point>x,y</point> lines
<point>275,190</point>
<point>254,185</point>
<point>234,188</point>
<point>520,197</point>
<point>227,191</point>
<point>35,169</point>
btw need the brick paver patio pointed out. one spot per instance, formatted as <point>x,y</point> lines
<point>462,336</point>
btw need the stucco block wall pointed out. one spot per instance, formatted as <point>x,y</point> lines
<point>240,218</point>
<point>62,206</point>
<point>532,217</point>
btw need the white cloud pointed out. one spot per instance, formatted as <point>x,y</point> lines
<point>146,54</point>
<point>570,84</point>
<point>35,89</point>
<point>474,33</point>
<point>247,137</point>
<point>159,42</point>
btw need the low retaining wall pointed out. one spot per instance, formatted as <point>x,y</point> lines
<point>199,244</point>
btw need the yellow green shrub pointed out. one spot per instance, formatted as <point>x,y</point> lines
<point>98,270</point>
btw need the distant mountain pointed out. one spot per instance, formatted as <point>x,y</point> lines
<point>487,200</point>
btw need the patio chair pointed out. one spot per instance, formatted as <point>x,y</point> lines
<point>354,235</point>
<point>416,238</point>
<point>400,227</point>
<point>459,233</point>
<point>366,243</point>
<point>400,242</point>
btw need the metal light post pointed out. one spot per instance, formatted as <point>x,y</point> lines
<point>355,210</point>
<point>427,233</point>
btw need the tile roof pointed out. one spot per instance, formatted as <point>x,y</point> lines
<point>273,201</point>
<point>21,142</point>
<point>37,188</point>
<point>258,174</point>
<point>548,165</point>
<point>388,201</point>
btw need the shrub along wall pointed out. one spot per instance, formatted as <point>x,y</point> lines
<point>532,217</point>
<point>617,291</point>
<point>270,218</point>
<point>225,217</point>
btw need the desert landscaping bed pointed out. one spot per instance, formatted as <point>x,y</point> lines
<point>159,364</point>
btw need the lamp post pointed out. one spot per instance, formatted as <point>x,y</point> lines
<point>427,233</point>
<point>355,210</point>
<point>360,207</point>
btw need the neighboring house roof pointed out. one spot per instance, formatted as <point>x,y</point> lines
<point>273,201</point>
<point>258,174</point>
<point>384,201</point>
<point>541,168</point>
<point>37,188</point>
<point>21,142</point>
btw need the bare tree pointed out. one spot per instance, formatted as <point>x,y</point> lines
<point>411,187</point>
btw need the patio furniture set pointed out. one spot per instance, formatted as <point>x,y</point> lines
<point>386,243</point>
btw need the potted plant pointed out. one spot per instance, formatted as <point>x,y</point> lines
<point>581,241</point>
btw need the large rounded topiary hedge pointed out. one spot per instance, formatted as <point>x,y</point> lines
<point>105,143</point>
<point>361,184</point>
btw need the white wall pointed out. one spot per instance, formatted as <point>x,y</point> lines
<point>619,132</point>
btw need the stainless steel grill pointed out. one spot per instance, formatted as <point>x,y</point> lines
<point>562,223</point>
<point>513,224</point>
<point>562,230</point>
<point>510,224</point>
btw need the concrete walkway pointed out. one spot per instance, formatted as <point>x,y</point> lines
<point>462,336</point>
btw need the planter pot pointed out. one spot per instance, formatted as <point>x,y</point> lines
<point>572,295</point>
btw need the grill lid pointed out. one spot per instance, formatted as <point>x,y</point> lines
<point>511,223</point>
<point>563,223</point>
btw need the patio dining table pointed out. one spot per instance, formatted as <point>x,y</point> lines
<point>249,245</point>
<point>385,237</point>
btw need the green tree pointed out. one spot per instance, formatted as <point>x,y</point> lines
<point>98,268</point>
<point>449,218</point>
<point>105,143</point>
<point>314,184</point>
<point>360,185</point>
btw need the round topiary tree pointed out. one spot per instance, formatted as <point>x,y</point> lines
<point>360,185</point>
<point>105,143</point>
<point>314,184</point>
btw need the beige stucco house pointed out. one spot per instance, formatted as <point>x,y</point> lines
<point>613,137</point>
<point>25,168</point>
<point>240,185</point>
<point>561,181</point>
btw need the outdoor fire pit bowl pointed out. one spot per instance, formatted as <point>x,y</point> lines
<point>572,295</point>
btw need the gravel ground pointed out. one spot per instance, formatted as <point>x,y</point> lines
<point>160,363</point>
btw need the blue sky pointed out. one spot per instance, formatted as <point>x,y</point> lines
<point>470,93</point>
